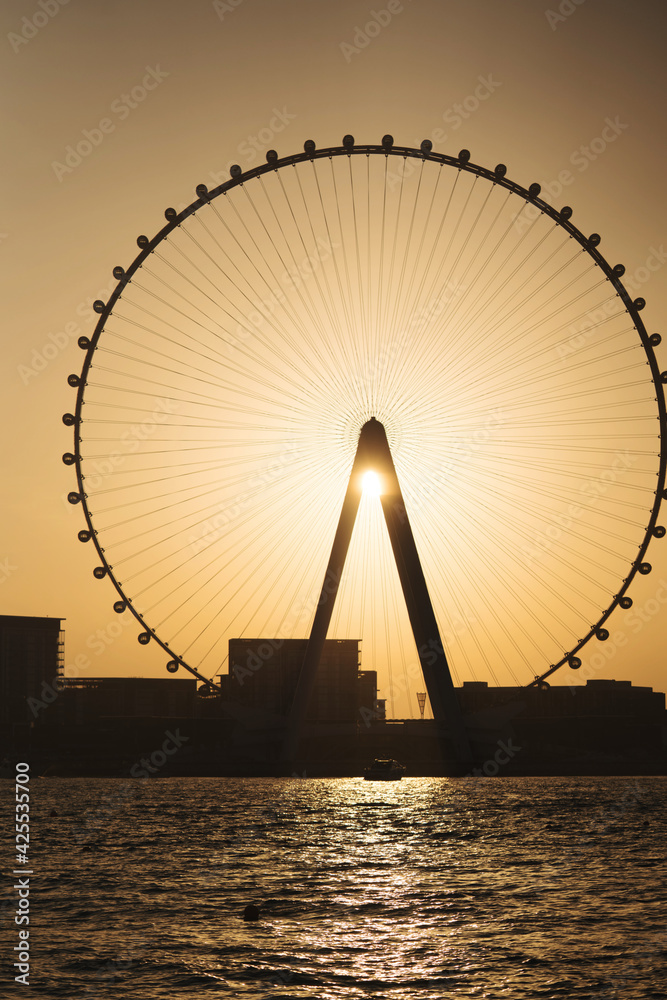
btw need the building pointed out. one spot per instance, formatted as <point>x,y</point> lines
<point>83,701</point>
<point>602,717</point>
<point>31,656</point>
<point>367,695</point>
<point>596,699</point>
<point>263,674</point>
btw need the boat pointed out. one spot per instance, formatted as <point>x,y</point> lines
<point>384,769</point>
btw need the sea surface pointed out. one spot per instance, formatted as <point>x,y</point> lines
<point>428,887</point>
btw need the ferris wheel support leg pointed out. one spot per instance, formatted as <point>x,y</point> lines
<point>437,676</point>
<point>373,453</point>
<point>323,613</point>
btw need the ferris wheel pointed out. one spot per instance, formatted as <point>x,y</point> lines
<point>225,386</point>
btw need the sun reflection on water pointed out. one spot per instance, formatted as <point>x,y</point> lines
<point>424,887</point>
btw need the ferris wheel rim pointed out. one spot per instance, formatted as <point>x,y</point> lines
<point>462,162</point>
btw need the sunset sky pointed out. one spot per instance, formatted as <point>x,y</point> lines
<point>161,96</point>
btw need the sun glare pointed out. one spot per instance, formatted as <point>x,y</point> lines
<point>371,484</point>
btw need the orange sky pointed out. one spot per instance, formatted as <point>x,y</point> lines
<point>165,95</point>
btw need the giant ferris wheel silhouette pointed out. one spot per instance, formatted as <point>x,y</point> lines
<point>374,391</point>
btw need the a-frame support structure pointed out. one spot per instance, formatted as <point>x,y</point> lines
<point>373,453</point>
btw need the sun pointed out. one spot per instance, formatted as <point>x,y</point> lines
<point>371,484</point>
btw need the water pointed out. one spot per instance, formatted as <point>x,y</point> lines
<point>427,887</point>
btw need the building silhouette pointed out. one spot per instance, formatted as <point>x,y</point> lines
<point>86,700</point>
<point>263,674</point>
<point>607,717</point>
<point>31,656</point>
<point>103,725</point>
